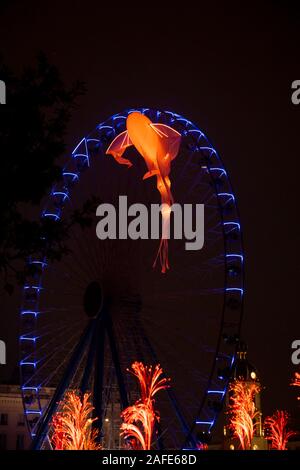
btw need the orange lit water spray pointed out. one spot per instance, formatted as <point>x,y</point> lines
<point>242,411</point>
<point>296,382</point>
<point>158,144</point>
<point>140,418</point>
<point>276,430</point>
<point>72,426</point>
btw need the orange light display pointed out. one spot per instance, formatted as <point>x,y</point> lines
<point>72,426</point>
<point>140,418</point>
<point>158,144</point>
<point>242,411</point>
<point>201,446</point>
<point>138,425</point>
<point>296,382</point>
<point>149,379</point>
<point>276,430</point>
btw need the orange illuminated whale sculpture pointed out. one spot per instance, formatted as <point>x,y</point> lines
<point>158,144</point>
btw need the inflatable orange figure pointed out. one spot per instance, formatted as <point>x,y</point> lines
<point>158,144</point>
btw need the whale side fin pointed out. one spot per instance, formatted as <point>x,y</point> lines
<point>118,147</point>
<point>170,136</point>
<point>165,131</point>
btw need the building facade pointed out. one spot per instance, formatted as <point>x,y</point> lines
<point>13,430</point>
<point>246,375</point>
<point>14,434</point>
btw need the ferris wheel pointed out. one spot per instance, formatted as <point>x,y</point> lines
<point>89,313</point>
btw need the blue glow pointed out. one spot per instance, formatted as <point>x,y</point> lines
<point>118,117</point>
<point>80,155</point>
<point>233,223</point>
<point>93,140</point>
<point>220,392</point>
<point>61,193</point>
<point>32,412</point>
<point>235,289</point>
<point>74,175</point>
<point>230,195</point>
<point>209,423</point>
<point>209,148</point>
<point>197,131</point>
<point>85,155</point>
<point>78,145</point>
<point>183,119</point>
<point>28,363</point>
<point>170,112</point>
<point>133,110</point>
<point>30,388</point>
<point>105,127</point>
<point>219,169</point>
<point>33,287</point>
<point>234,255</point>
<point>48,214</point>
<point>33,338</point>
<point>43,263</point>
<point>29,312</point>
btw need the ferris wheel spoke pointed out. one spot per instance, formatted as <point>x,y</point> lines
<point>69,271</point>
<point>50,358</point>
<point>55,336</point>
<point>184,313</point>
<point>89,265</point>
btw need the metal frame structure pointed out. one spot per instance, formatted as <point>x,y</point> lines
<point>211,404</point>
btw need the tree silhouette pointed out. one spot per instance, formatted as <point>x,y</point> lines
<point>33,125</point>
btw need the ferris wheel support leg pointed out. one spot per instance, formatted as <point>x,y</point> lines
<point>171,395</point>
<point>160,440</point>
<point>84,385</point>
<point>116,361</point>
<point>43,429</point>
<point>98,346</point>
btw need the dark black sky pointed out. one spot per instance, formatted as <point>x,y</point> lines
<point>229,69</point>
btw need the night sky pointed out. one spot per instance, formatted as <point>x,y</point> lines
<point>227,68</point>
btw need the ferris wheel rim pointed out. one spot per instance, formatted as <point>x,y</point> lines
<point>232,294</point>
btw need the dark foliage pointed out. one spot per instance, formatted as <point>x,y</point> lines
<point>33,124</point>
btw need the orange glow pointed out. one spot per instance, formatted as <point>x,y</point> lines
<point>296,382</point>
<point>158,144</point>
<point>72,426</point>
<point>149,379</point>
<point>276,430</point>
<point>201,446</point>
<point>138,425</point>
<point>242,411</point>
<point>140,418</point>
